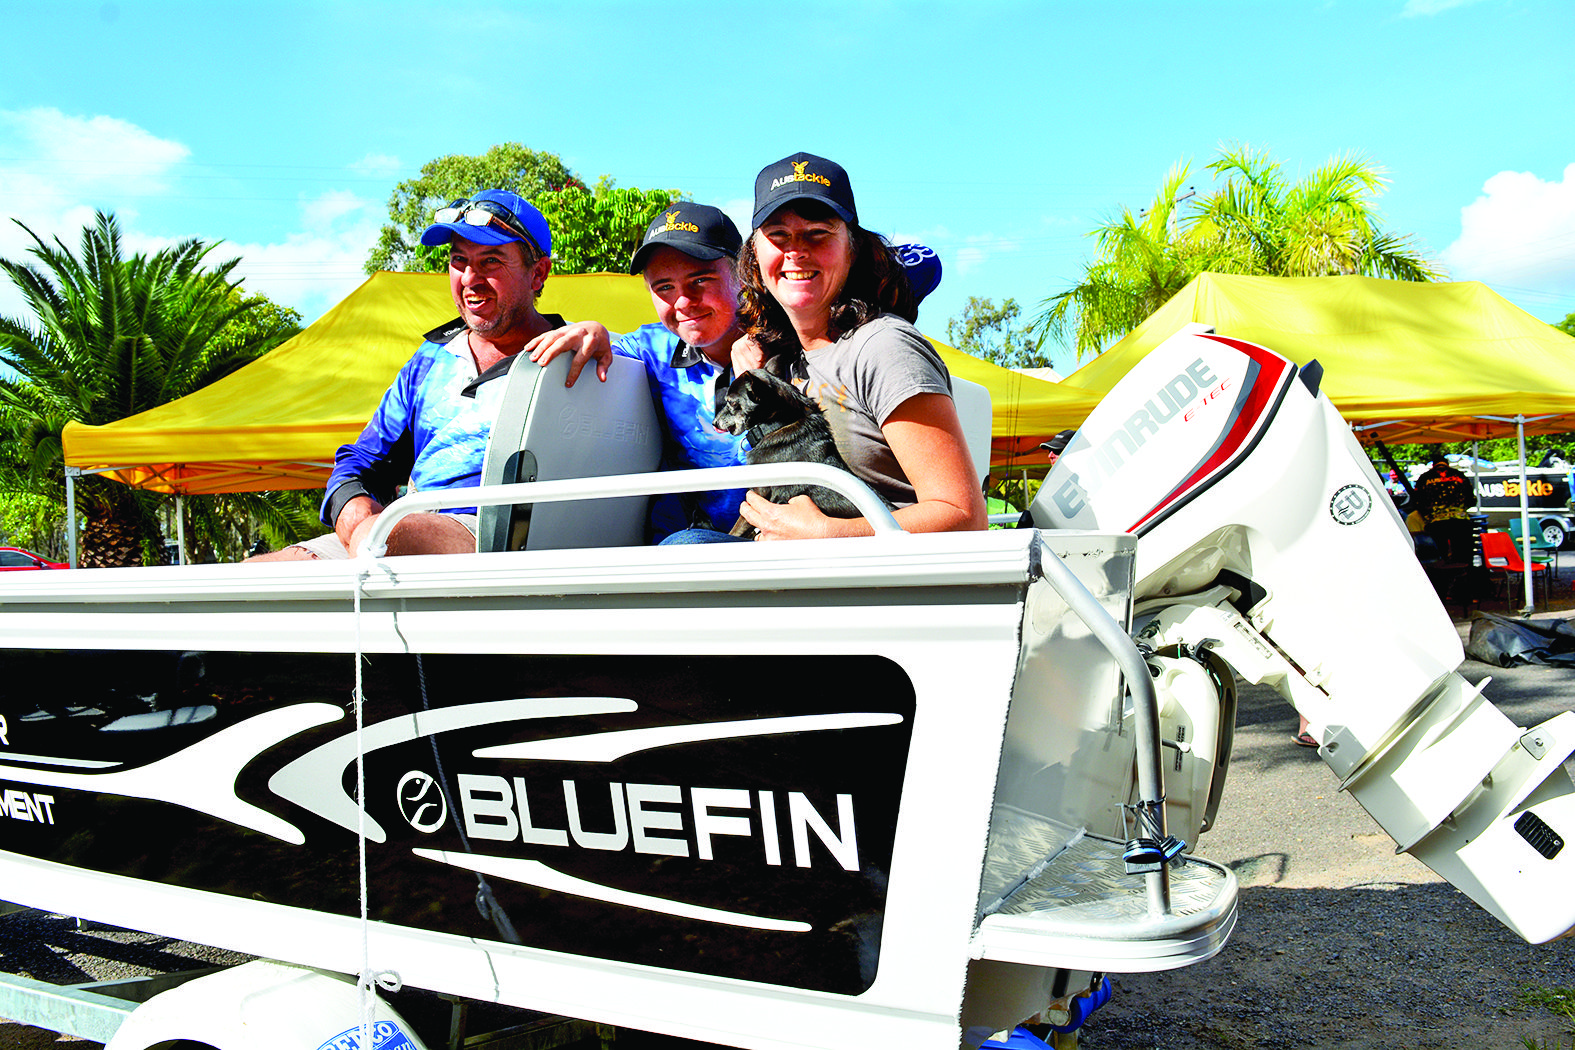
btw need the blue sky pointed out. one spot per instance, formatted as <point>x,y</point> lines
<point>999,132</point>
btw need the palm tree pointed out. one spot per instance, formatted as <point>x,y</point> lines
<point>1141,261</point>
<point>1324,226</point>
<point>111,337</point>
<point>1256,223</point>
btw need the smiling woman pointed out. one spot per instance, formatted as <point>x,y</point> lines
<point>820,289</point>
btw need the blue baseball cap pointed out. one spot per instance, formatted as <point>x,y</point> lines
<point>490,217</point>
<point>922,266</point>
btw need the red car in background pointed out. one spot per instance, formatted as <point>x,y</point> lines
<point>15,558</point>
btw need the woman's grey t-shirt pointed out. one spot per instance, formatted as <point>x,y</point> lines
<point>860,380</point>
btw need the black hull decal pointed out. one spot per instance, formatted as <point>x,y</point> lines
<point>719,815</point>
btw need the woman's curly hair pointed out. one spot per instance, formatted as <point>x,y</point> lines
<point>877,284</point>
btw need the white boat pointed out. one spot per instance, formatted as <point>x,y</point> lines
<point>907,790</point>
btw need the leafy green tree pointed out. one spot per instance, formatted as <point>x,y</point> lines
<point>597,230</point>
<point>260,322</point>
<point>986,330</point>
<point>1507,449</point>
<point>593,229</point>
<point>224,526</point>
<point>1567,326</point>
<point>27,518</point>
<point>112,336</point>
<point>1256,222</point>
<point>508,166</point>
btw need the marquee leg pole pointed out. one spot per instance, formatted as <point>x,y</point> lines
<point>1525,521</point>
<point>71,515</point>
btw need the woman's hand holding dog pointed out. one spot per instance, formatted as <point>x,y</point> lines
<point>797,519</point>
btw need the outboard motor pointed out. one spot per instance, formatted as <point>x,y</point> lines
<point>1267,540</point>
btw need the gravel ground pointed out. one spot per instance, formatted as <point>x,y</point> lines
<point>1339,942</point>
<point>57,949</point>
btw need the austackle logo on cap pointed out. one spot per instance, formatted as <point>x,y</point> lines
<point>799,175</point>
<point>674,224</point>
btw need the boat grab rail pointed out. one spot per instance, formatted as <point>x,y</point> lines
<point>704,479</point>
<point>1152,849</point>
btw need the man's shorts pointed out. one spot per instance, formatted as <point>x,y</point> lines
<point>328,548</point>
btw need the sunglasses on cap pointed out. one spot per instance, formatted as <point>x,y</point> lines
<point>485,213</point>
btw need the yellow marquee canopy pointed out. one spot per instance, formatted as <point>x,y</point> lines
<point>276,423</point>
<point>1403,362</point>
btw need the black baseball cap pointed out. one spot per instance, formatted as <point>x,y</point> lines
<point>697,230</point>
<point>1057,444</point>
<point>804,175</point>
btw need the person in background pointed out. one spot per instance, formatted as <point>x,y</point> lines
<point>1415,524</point>
<point>1053,449</point>
<point>1057,444</point>
<point>1444,497</point>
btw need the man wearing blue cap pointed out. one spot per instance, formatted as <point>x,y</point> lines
<point>433,423</point>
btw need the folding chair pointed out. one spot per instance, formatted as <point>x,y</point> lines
<point>1501,556</point>
<point>1542,552</point>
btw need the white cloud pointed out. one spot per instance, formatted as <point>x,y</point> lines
<point>60,155</point>
<point>52,163</point>
<point>379,166</point>
<point>960,256</point>
<point>330,207</point>
<point>1520,233</point>
<point>317,266</point>
<point>58,168</point>
<point>1415,8</point>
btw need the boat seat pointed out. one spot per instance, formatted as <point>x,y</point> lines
<point>546,431</point>
<point>974,412</point>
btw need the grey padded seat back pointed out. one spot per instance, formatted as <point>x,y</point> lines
<point>973,412</point>
<point>546,431</point>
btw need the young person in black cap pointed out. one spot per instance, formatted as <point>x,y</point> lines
<point>688,260</point>
<point>815,282</point>
<point>1057,444</point>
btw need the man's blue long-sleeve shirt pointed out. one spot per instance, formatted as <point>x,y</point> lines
<point>426,429</point>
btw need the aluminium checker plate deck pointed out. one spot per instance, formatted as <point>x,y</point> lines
<point>1077,907</point>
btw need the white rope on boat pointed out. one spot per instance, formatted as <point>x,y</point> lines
<point>366,979</point>
<point>369,980</point>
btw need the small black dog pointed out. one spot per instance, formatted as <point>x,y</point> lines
<point>786,426</point>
